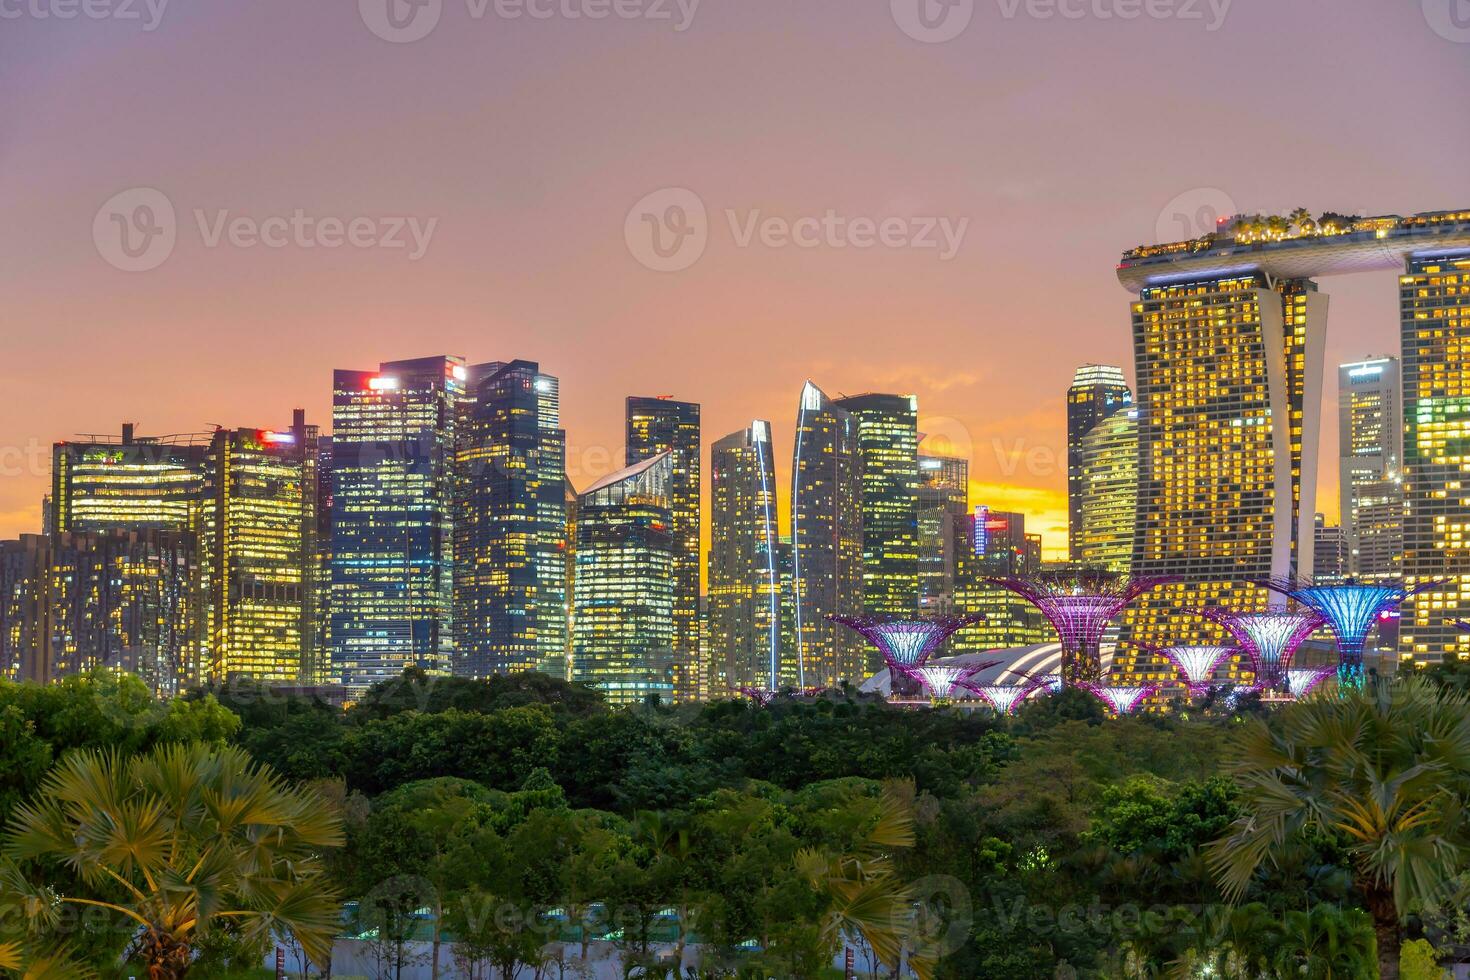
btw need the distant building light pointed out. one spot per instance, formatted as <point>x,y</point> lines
<point>276,437</point>
<point>459,372</point>
<point>383,384</point>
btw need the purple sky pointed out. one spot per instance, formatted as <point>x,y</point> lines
<point>1061,141</point>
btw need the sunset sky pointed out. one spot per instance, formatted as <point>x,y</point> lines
<point>1060,141</point>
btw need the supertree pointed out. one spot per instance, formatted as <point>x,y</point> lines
<point>759,695</point>
<point>1005,698</point>
<point>1123,700</point>
<point>1301,681</point>
<point>943,680</point>
<point>1197,664</point>
<point>1270,639</point>
<point>1079,606</point>
<point>1351,608</point>
<point>905,643</point>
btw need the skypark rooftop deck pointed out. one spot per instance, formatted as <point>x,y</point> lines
<point>1290,251</point>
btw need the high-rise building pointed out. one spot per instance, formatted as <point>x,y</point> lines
<point>888,449</point>
<point>258,553</point>
<point>510,582</point>
<point>1434,295</point>
<point>1097,391</point>
<point>1108,465</point>
<point>1370,466</point>
<point>944,505</point>
<point>392,518</point>
<point>623,621</point>
<point>826,544</point>
<point>744,598</point>
<point>130,483</point>
<point>1330,553</point>
<point>995,544</point>
<point>1229,377</point>
<point>663,425</point>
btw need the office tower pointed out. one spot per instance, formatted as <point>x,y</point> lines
<point>663,425</point>
<point>1370,466</point>
<point>888,450</point>
<point>323,591</point>
<point>1330,554</point>
<point>258,553</point>
<point>744,598</point>
<point>944,504</point>
<point>25,626</point>
<point>1229,372</point>
<point>1097,392</point>
<point>1108,487</point>
<point>1434,295</point>
<point>995,544</point>
<point>623,622</point>
<point>826,543</point>
<point>570,495</point>
<point>127,483</point>
<point>510,582</point>
<point>392,518</point>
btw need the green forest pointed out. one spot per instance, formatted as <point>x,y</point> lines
<point>518,822</point>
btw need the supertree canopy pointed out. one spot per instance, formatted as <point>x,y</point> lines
<point>1301,681</point>
<point>945,680</point>
<point>759,695</point>
<point>1079,606</point>
<point>1270,639</point>
<point>906,643</point>
<point>1005,698</point>
<point>1123,700</point>
<point>1197,664</point>
<point>1351,608</point>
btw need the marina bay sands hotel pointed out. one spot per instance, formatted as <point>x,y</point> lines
<point>1228,337</point>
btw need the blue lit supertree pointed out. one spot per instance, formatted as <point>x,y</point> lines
<point>1270,639</point>
<point>1080,606</point>
<point>1351,608</point>
<point>1301,681</point>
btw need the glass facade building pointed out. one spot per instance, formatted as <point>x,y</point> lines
<point>1109,492</point>
<point>130,483</point>
<point>888,450</point>
<point>1097,392</point>
<point>944,505</point>
<point>510,583</point>
<point>744,600</point>
<point>995,544</point>
<point>392,496</point>
<point>623,619</point>
<point>664,425</point>
<point>1370,466</point>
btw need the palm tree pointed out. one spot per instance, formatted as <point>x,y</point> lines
<point>862,891</point>
<point>179,840</point>
<point>1386,770</point>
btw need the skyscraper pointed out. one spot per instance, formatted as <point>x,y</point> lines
<point>663,425</point>
<point>392,495</point>
<point>128,483</point>
<point>511,523</point>
<point>744,598</point>
<point>944,504</point>
<point>1370,466</point>
<point>1330,553</point>
<point>1434,295</point>
<point>826,543</point>
<point>258,553</point>
<point>888,448</point>
<point>1108,465</point>
<point>623,623</point>
<point>1097,391</point>
<point>995,544</point>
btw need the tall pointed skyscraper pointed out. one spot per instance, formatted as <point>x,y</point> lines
<point>510,535</point>
<point>826,542</point>
<point>888,448</point>
<point>1097,392</point>
<point>392,497</point>
<point>663,425</point>
<point>744,600</point>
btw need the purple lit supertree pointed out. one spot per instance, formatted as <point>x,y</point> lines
<point>1197,664</point>
<point>906,643</point>
<point>1123,700</point>
<point>1005,698</point>
<point>1079,606</point>
<point>759,695</point>
<point>1301,681</point>
<point>1270,639</point>
<point>1350,608</point>
<point>942,681</point>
